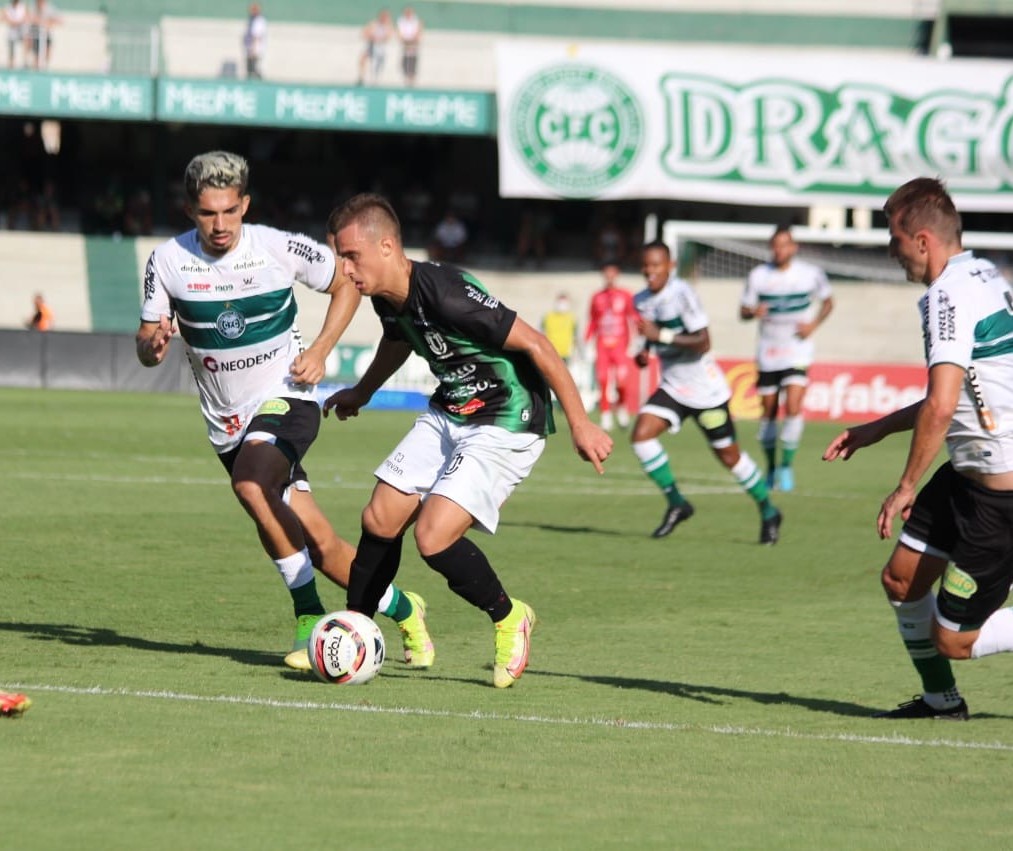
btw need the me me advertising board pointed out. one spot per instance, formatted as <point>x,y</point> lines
<point>750,125</point>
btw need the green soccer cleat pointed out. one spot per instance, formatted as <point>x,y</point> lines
<point>299,658</point>
<point>418,646</point>
<point>513,643</point>
<point>12,704</point>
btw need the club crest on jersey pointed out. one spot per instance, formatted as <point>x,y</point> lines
<point>231,324</point>
<point>437,345</point>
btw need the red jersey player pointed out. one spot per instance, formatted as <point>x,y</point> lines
<point>612,322</point>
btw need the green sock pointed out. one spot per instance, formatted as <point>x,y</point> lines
<point>788,455</point>
<point>659,472</point>
<point>935,671</point>
<point>770,453</point>
<point>306,600</point>
<point>748,475</point>
<point>400,606</point>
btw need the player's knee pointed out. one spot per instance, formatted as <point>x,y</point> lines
<point>248,492</point>
<point>897,586</point>
<point>953,645</point>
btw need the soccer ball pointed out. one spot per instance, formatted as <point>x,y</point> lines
<point>346,648</point>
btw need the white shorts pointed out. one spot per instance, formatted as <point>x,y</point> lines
<point>475,466</point>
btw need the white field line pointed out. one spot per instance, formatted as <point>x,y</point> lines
<point>578,487</point>
<point>616,723</point>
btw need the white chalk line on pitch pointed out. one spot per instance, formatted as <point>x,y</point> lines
<point>596,488</point>
<point>618,724</point>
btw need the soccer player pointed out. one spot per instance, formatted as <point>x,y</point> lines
<point>611,322</point>
<point>674,325</point>
<point>229,288</point>
<point>484,429</point>
<point>791,299</point>
<point>959,526</point>
<point>13,704</point>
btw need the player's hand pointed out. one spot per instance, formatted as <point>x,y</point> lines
<point>804,329</point>
<point>648,329</point>
<point>345,403</point>
<point>898,503</point>
<point>592,443</point>
<point>308,368</point>
<point>158,342</point>
<point>848,442</point>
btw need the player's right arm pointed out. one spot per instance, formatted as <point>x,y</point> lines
<point>390,355</point>
<point>153,341</point>
<point>849,441</point>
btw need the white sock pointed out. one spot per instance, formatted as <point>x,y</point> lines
<point>996,635</point>
<point>746,472</point>
<point>791,431</point>
<point>296,570</point>
<point>386,601</point>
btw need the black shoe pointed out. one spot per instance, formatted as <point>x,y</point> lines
<point>770,529</point>
<point>918,708</point>
<point>673,517</point>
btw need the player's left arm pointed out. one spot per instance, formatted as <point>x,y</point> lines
<point>591,442</point>
<point>309,366</point>
<point>930,426</point>
<point>805,329</point>
<point>696,341</point>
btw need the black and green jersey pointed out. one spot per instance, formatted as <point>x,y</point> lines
<point>452,321</point>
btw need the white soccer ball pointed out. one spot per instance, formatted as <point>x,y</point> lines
<point>346,648</point>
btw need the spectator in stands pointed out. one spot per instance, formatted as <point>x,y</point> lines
<point>560,326</point>
<point>409,32</point>
<point>255,42</point>
<point>16,18</point>
<point>450,237</point>
<point>376,34</point>
<point>609,244</point>
<point>42,318</point>
<point>137,214</point>
<point>46,207</point>
<point>40,32</point>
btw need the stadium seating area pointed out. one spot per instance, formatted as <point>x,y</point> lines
<point>320,42</point>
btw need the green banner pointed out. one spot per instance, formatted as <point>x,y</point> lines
<point>324,107</point>
<point>78,96</point>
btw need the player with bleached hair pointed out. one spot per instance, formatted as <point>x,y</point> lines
<point>790,299</point>
<point>958,529</point>
<point>228,287</point>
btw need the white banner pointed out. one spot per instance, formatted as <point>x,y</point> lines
<point>749,125</point>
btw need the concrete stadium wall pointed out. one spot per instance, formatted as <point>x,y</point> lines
<point>94,284</point>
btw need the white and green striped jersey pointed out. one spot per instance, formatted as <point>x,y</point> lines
<point>693,379</point>
<point>792,295</point>
<point>237,317</point>
<point>967,320</point>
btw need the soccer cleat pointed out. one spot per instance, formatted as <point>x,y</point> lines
<point>418,646</point>
<point>12,704</point>
<point>918,708</point>
<point>770,528</point>
<point>513,643</point>
<point>786,479</point>
<point>674,515</point>
<point>299,657</point>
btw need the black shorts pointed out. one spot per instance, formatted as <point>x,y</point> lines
<point>294,425</point>
<point>716,423</point>
<point>974,526</point>
<point>770,382</point>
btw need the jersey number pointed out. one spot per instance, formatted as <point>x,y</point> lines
<point>232,424</point>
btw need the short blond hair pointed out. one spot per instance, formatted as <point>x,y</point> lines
<point>215,170</point>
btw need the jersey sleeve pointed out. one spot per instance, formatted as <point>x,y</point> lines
<point>694,317</point>
<point>750,292</point>
<point>475,313</point>
<point>308,261</point>
<point>948,327</point>
<point>823,289</point>
<point>155,299</point>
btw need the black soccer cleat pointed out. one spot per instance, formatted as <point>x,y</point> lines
<point>673,517</point>
<point>918,708</point>
<point>770,528</point>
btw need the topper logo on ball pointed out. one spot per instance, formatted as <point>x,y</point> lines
<point>577,128</point>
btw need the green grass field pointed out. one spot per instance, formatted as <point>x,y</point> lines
<point>697,692</point>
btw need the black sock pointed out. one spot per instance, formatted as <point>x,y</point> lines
<point>469,575</point>
<point>373,569</point>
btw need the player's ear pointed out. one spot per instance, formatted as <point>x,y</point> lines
<point>245,204</point>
